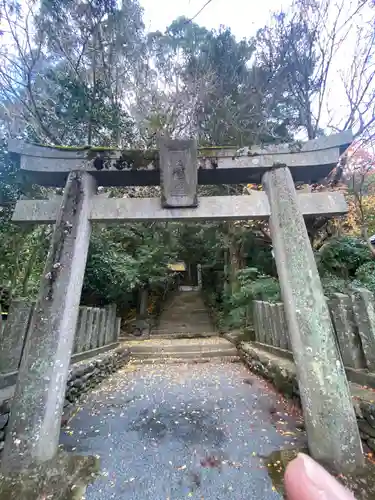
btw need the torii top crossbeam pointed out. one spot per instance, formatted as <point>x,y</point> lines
<point>309,162</point>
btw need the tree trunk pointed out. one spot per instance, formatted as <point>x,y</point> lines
<point>234,259</point>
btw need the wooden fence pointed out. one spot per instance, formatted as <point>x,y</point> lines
<point>96,327</point>
<point>353,317</point>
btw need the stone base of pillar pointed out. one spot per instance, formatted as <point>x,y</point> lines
<point>65,477</point>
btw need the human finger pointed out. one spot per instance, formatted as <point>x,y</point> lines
<point>305,479</point>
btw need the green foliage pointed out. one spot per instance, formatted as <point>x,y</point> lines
<point>257,252</point>
<point>230,91</point>
<point>8,182</point>
<point>253,286</point>
<point>23,252</point>
<point>345,262</point>
<point>342,257</point>
<point>124,259</point>
<point>365,276</point>
<point>71,80</point>
<point>334,284</point>
<point>22,249</point>
<point>80,113</point>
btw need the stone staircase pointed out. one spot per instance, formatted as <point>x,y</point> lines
<point>199,350</point>
<point>184,316</point>
<point>185,335</point>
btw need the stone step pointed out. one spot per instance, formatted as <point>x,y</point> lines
<point>161,336</point>
<point>184,311</point>
<point>184,335</point>
<point>165,361</point>
<point>186,300</point>
<point>215,353</point>
<point>183,331</point>
<point>186,327</point>
<point>184,318</point>
<point>182,301</point>
<point>181,324</point>
<point>186,315</point>
<point>176,347</point>
<point>187,307</point>
<point>188,294</point>
<point>184,322</point>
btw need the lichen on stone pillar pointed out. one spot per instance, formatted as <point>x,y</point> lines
<point>34,424</point>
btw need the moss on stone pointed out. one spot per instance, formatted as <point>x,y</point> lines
<point>63,478</point>
<point>127,159</point>
<point>205,152</point>
<point>208,152</point>
<point>60,147</point>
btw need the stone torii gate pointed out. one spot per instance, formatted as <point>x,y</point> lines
<point>179,166</point>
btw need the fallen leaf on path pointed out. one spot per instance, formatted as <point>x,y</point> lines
<point>287,433</point>
<point>238,465</point>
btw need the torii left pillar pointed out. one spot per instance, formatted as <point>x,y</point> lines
<point>34,426</point>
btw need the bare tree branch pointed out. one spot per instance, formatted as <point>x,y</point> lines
<point>199,11</point>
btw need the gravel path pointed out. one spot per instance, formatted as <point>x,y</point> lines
<point>181,431</point>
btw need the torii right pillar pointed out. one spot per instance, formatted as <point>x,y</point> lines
<point>333,435</point>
